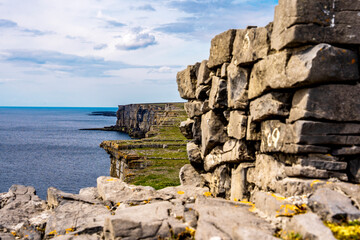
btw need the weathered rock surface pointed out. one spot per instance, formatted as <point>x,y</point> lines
<point>251,45</point>
<point>218,96</point>
<point>76,218</point>
<point>239,184</point>
<point>203,73</point>
<point>186,128</point>
<point>194,153</point>
<point>221,48</point>
<point>307,22</point>
<point>140,222</point>
<point>310,226</point>
<point>237,87</point>
<point>117,191</point>
<point>193,108</point>
<point>267,172</point>
<point>309,135</point>
<point>233,151</point>
<point>237,125</point>
<point>19,205</point>
<point>322,63</point>
<point>327,102</point>
<point>271,105</point>
<point>212,132</point>
<point>220,219</point>
<point>332,205</point>
<point>189,176</point>
<point>186,81</point>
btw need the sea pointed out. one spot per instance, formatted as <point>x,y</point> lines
<point>43,147</point>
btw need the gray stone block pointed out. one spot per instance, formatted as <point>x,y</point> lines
<point>186,128</point>
<point>237,86</point>
<point>194,153</point>
<point>237,125</point>
<point>319,162</point>
<point>239,183</point>
<point>218,93</point>
<point>271,105</point>
<point>193,108</point>
<point>186,81</point>
<point>250,45</point>
<point>310,227</point>
<point>202,92</point>
<point>307,172</point>
<point>353,150</point>
<point>221,48</point>
<point>330,102</point>
<point>281,137</point>
<point>300,22</point>
<point>333,206</point>
<point>203,73</point>
<point>212,132</point>
<point>322,63</point>
<point>267,172</point>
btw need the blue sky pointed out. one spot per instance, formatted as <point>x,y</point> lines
<point>108,52</point>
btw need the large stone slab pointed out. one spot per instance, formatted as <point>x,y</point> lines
<point>333,206</point>
<point>203,73</point>
<point>237,125</point>
<point>237,86</point>
<point>322,63</point>
<point>76,217</point>
<point>219,181</point>
<point>221,48</point>
<point>321,162</point>
<point>220,219</point>
<point>117,191</point>
<point>193,108</point>
<point>190,177</point>
<point>305,172</point>
<point>304,21</point>
<point>239,184</point>
<point>212,132</point>
<point>329,102</point>
<point>233,151</point>
<point>250,45</point>
<point>140,222</point>
<point>281,137</point>
<point>186,81</point>
<point>186,128</point>
<point>19,205</point>
<point>267,172</point>
<point>271,105</point>
<point>194,154</point>
<point>310,226</point>
<point>218,93</point>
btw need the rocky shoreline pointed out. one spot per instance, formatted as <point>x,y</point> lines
<point>117,210</point>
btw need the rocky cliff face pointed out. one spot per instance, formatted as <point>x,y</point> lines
<point>275,108</point>
<point>137,119</point>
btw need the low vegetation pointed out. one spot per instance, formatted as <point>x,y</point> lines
<point>158,158</point>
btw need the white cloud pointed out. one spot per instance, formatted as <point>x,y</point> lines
<point>134,39</point>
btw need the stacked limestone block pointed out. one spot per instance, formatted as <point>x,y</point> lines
<point>277,105</point>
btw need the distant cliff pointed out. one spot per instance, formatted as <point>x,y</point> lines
<point>137,119</point>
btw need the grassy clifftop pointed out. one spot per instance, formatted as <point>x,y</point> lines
<point>155,160</point>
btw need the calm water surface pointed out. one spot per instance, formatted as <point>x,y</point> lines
<point>44,147</point>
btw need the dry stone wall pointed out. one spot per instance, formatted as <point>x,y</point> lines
<point>276,107</point>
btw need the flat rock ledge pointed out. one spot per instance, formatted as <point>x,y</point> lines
<point>117,210</point>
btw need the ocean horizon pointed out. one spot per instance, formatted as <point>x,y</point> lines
<point>43,147</point>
